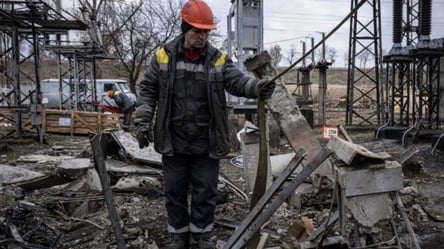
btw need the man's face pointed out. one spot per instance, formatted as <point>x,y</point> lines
<point>196,38</point>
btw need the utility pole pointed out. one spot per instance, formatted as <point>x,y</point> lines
<point>322,65</point>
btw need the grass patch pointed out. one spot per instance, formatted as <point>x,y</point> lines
<point>6,200</point>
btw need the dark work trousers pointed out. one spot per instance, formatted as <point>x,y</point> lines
<point>180,172</point>
<point>127,118</point>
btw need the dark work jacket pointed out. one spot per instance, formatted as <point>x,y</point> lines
<point>124,102</point>
<point>156,91</point>
<point>190,112</point>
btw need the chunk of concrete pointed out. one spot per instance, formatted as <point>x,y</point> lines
<point>73,167</point>
<point>368,180</point>
<point>129,145</point>
<point>41,158</point>
<point>370,209</point>
<point>138,184</point>
<point>11,175</point>
<point>121,167</point>
<point>93,179</point>
<point>348,151</point>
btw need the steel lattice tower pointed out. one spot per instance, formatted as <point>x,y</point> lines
<point>24,24</point>
<point>363,83</point>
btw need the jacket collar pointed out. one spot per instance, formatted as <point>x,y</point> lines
<point>174,45</point>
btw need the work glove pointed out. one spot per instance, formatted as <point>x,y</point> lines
<point>265,89</point>
<point>144,135</point>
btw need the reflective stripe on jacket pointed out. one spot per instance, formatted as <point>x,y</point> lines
<point>156,90</point>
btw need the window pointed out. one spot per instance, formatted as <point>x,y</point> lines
<point>108,87</point>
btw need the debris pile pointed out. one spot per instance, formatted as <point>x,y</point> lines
<point>21,226</point>
<point>52,198</point>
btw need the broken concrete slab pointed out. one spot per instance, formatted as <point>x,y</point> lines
<point>432,199</point>
<point>370,209</point>
<point>368,180</point>
<point>68,169</point>
<point>73,167</point>
<point>279,162</point>
<point>130,147</point>
<point>41,158</point>
<point>75,164</point>
<point>45,181</point>
<point>348,151</point>
<point>138,184</point>
<point>117,166</point>
<point>79,185</point>
<point>10,174</point>
<point>93,180</point>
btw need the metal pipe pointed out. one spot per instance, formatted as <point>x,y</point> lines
<point>437,142</point>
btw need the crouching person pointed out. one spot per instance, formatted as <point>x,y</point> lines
<point>125,104</point>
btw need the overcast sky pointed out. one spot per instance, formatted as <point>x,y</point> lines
<point>285,21</point>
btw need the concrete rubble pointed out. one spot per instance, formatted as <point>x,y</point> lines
<point>55,201</point>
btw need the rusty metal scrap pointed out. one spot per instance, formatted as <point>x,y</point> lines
<point>99,161</point>
<point>274,197</point>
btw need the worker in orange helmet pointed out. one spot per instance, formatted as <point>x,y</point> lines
<point>125,104</point>
<point>183,95</point>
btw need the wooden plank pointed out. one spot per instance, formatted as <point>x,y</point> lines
<point>99,122</point>
<point>58,130</point>
<point>81,122</point>
<point>81,131</point>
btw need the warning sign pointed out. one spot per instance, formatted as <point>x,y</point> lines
<point>329,131</point>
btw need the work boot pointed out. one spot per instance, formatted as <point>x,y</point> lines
<point>179,241</point>
<point>203,240</point>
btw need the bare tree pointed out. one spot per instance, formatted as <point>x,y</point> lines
<point>134,30</point>
<point>363,57</point>
<point>276,54</point>
<point>331,54</point>
<point>291,55</point>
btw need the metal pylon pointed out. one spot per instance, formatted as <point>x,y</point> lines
<point>24,25</point>
<point>363,82</point>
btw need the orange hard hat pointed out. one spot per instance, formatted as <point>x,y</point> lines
<point>198,14</point>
